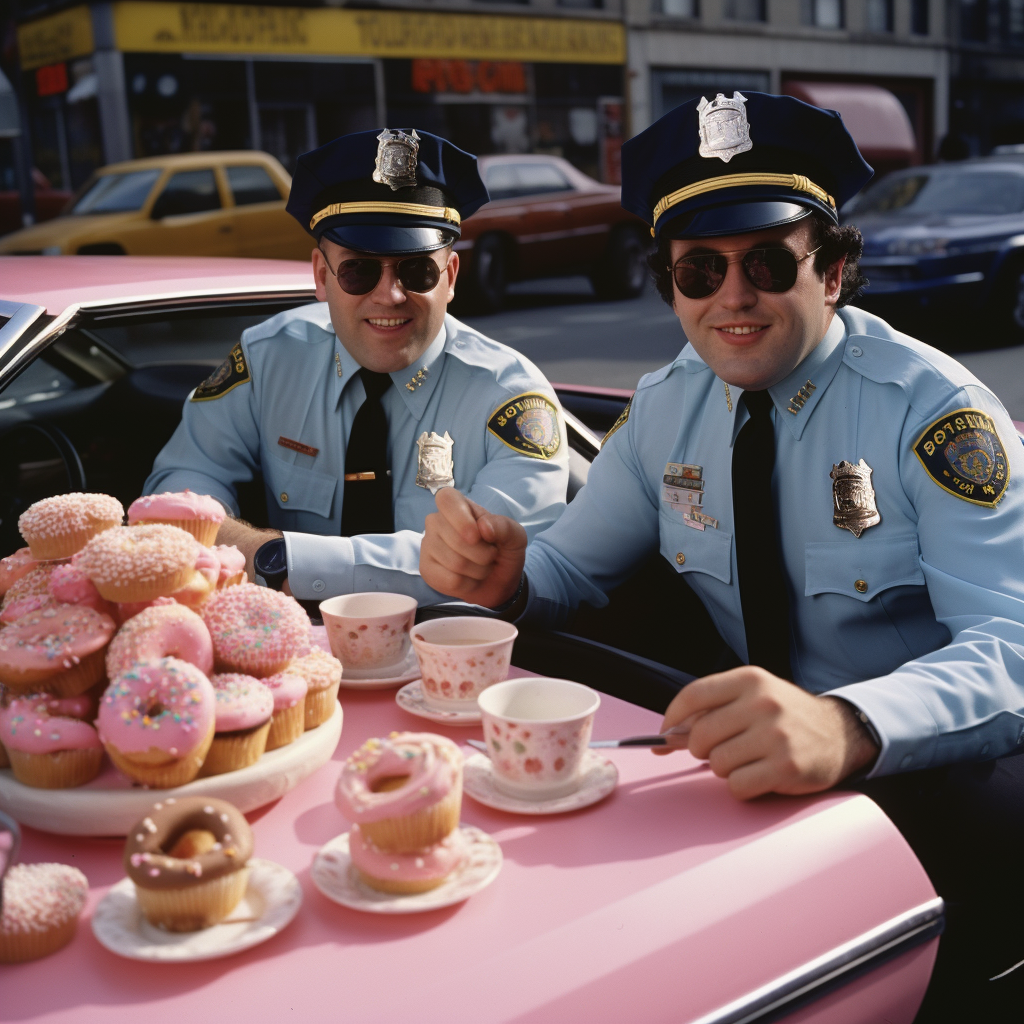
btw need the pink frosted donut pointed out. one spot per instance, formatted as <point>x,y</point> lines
<point>255,630</point>
<point>139,563</point>
<point>424,869</point>
<point>432,763</point>
<point>232,565</point>
<point>13,567</point>
<point>164,631</point>
<point>28,725</point>
<point>58,648</point>
<point>57,527</point>
<point>199,514</point>
<point>241,701</point>
<point>288,689</point>
<point>82,707</point>
<point>29,594</point>
<point>166,704</point>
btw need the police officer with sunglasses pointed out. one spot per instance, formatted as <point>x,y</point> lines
<point>847,503</point>
<point>357,409</point>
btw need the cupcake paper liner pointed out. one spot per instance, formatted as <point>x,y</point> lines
<point>195,906</point>
<point>53,549</point>
<point>392,885</point>
<point>320,705</point>
<point>127,591</point>
<point>157,768</point>
<point>69,682</point>
<point>204,530</point>
<point>413,832</point>
<point>63,769</point>
<point>287,725</point>
<point>18,947</point>
<point>233,750</point>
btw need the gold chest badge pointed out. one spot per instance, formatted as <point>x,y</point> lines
<point>853,497</point>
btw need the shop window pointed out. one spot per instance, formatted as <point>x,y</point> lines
<point>974,20</point>
<point>251,184</point>
<point>919,17</point>
<point>671,87</point>
<point>117,193</point>
<point>1013,20</point>
<point>878,15</point>
<point>187,192</point>
<point>822,13</point>
<point>746,10</point>
<point>591,4</point>
<point>680,8</point>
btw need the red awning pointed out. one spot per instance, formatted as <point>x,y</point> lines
<point>875,118</point>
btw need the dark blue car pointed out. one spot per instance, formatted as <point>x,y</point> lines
<point>944,251</point>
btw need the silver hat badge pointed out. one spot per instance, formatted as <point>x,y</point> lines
<point>853,497</point>
<point>396,158</point>
<point>436,468</point>
<point>724,129</point>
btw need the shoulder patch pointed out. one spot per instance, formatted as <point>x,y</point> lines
<point>962,453</point>
<point>232,372</point>
<point>528,424</point>
<point>623,416</point>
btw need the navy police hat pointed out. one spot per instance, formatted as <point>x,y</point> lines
<point>387,191</point>
<point>729,166</point>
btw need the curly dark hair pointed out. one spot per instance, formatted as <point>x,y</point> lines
<point>835,241</point>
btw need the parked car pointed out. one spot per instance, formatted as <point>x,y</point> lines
<point>546,218</point>
<point>943,245</point>
<point>184,204</point>
<point>96,358</point>
<point>49,202</point>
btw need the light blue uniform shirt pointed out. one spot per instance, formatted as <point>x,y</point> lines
<point>305,388</point>
<point>919,622</point>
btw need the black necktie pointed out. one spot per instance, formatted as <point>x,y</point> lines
<point>366,507</point>
<point>763,594</point>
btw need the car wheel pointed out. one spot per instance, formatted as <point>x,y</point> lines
<point>488,274</point>
<point>37,460</point>
<point>101,249</point>
<point>622,273</point>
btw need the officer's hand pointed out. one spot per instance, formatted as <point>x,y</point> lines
<point>766,735</point>
<point>248,539</point>
<point>470,553</point>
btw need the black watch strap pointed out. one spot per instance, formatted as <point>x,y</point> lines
<point>271,563</point>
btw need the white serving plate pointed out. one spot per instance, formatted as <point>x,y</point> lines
<point>110,804</point>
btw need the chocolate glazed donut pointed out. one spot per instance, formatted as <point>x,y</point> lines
<point>187,859</point>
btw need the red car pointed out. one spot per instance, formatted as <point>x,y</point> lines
<point>49,202</point>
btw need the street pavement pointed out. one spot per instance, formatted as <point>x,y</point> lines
<point>575,339</point>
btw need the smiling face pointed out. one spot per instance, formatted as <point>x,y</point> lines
<point>388,328</point>
<point>750,338</point>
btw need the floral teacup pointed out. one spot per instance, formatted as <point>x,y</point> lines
<point>537,731</point>
<point>369,631</point>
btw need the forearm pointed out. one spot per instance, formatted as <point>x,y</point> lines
<point>248,539</point>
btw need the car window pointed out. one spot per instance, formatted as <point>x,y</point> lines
<point>537,178</point>
<point>251,184</point>
<point>188,192</point>
<point>502,181</point>
<point>978,192</point>
<point>117,193</point>
<point>38,382</point>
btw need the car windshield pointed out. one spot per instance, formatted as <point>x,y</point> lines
<point>117,193</point>
<point>976,191</point>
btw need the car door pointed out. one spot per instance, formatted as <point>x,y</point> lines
<point>262,225</point>
<point>189,218</point>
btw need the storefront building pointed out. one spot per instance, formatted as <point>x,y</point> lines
<point>113,81</point>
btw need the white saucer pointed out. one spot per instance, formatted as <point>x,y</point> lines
<point>335,877</point>
<point>599,777</point>
<point>273,898</point>
<point>410,698</point>
<point>381,678</point>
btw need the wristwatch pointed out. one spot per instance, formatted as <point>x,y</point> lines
<point>271,563</point>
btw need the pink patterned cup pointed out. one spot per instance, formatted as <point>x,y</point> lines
<point>460,657</point>
<point>537,731</point>
<point>369,631</point>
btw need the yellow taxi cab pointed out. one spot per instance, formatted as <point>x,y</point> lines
<point>182,204</point>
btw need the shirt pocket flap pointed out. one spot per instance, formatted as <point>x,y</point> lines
<point>298,489</point>
<point>688,550</point>
<point>862,570</point>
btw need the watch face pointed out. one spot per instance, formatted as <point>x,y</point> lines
<point>272,559</point>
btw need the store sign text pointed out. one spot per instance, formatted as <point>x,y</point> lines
<point>466,76</point>
<point>57,38</point>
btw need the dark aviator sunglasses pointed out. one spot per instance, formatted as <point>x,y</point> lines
<point>768,270</point>
<point>361,275</point>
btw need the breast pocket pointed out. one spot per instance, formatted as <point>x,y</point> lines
<point>863,569</point>
<point>687,550</point>
<point>298,489</point>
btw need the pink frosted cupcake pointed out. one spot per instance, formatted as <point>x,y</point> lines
<point>421,871</point>
<point>61,526</point>
<point>199,514</point>
<point>69,585</point>
<point>29,594</point>
<point>46,750</point>
<point>232,565</point>
<point>40,910</point>
<point>243,708</point>
<point>13,567</point>
<point>322,672</point>
<point>255,630</point>
<point>289,721</point>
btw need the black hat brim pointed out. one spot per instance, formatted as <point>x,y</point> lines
<point>389,239</point>
<point>736,219</point>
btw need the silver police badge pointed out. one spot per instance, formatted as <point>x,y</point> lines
<point>853,497</point>
<point>436,467</point>
<point>396,158</point>
<point>724,129</point>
